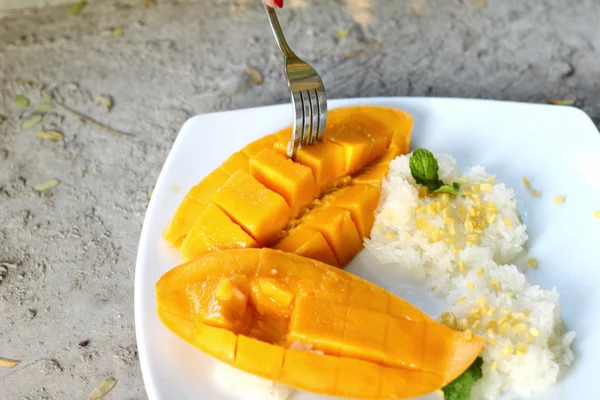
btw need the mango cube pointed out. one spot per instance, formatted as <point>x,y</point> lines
<point>259,211</point>
<point>373,175</point>
<point>276,292</point>
<point>337,227</point>
<point>249,350</point>
<point>257,146</point>
<point>293,181</point>
<point>308,242</point>
<point>235,162</point>
<point>183,220</point>
<point>214,230</point>
<point>361,201</point>
<point>192,206</point>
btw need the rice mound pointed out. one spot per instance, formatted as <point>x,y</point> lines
<point>242,385</point>
<point>459,247</point>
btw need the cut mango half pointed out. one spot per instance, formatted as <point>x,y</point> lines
<point>321,205</point>
<point>310,325</point>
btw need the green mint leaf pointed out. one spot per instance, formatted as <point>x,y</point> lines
<point>424,169</point>
<point>446,189</point>
<point>454,189</point>
<point>460,388</point>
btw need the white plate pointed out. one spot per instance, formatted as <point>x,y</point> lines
<point>558,148</point>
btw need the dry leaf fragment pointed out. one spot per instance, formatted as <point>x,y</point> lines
<point>77,7</point>
<point>373,43</point>
<point>254,75</point>
<point>51,136</point>
<point>32,121</point>
<point>353,54</point>
<point>146,3</point>
<point>44,107</point>
<point>27,79</point>
<point>480,4</point>
<point>102,389</point>
<point>105,101</point>
<point>42,187</point>
<point>563,102</point>
<point>342,34</point>
<point>116,32</point>
<point>22,101</point>
<point>7,362</point>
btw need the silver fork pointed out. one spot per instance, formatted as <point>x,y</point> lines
<point>309,102</point>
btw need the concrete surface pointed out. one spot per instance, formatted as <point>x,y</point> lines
<point>67,255</point>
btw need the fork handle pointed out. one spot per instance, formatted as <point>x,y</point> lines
<point>285,49</point>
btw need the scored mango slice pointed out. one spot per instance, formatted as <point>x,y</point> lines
<point>291,180</point>
<point>308,242</point>
<point>192,206</point>
<point>310,326</point>
<point>214,230</point>
<point>331,188</point>
<point>259,211</point>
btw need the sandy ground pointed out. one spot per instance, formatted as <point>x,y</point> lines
<point>67,255</point>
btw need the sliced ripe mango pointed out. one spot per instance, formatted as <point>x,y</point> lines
<point>214,230</point>
<point>308,242</point>
<point>319,323</point>
<point>372,175</point>
<point>361,201</point>
<point>204,191</point>
<point>293,181</point>
<point>192,206</point>
<point>222,342</point>
<point>258,145</point>
<point>249,350</point>
<point>259,211</point>
<point>355,142</point>
<point>237,161</point>
<point>325,159</point>
<point>183,221</point>
<point>311,372</point>
<point>359,143</point>
<point>358,376</point>
<point>353,346</point>
<point>338,229</point>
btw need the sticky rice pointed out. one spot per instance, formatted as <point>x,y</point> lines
<point>460,247</point>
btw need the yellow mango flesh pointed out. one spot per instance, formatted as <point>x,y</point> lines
<point>359,143</point>
<point>259,211</point>
<point>372,175</point>
<point>257,146</point>
<point>325,159</point>
<point>365,138</point>
<point>214,230</point>
<point>182,222</point>
<point>291,180</point>
<point>235,162</point>
<point>192,206</point>
<point>361,201</point>
<point>308,242</point>
<point>334,333</point>
<point>338,229</point>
